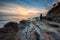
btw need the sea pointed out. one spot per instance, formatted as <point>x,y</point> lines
<point>6,18</point>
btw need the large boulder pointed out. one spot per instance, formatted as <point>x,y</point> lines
<point>9,31</point>
<point>54,13</point>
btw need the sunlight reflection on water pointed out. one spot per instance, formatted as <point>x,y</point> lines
<point>16,18</point>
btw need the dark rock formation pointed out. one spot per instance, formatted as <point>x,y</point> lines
<point>22,24</point>
<point>54,13</point>
<point>11,26</point>
<point>36,35</point>
<point>9,31</point>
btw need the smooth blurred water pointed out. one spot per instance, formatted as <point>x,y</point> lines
<point>5,19</point>
<point>16,18</point>
<point>2,23</point>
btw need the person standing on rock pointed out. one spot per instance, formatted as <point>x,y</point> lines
<point>41,16</point>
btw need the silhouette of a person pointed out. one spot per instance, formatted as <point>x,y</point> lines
<point>41,16</point>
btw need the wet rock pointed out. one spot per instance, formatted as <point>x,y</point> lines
<point>22,24</point>
<point>55,26</point>
<point>9,31</point>
<point>54,35</point>
<point>36,35</point>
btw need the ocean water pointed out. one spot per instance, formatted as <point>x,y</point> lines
<point>2,23</point>
<point>4,19</point>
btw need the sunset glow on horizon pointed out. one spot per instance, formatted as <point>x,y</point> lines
<point>25,8</point>
<point>21,9</point>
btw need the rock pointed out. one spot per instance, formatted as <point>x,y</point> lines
<point>54,13</point>
<point>9,31</point>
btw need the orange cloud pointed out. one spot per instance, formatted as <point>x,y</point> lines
<point>21,9</point>
<point>23,12</point>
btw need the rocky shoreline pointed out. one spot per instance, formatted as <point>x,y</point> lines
<point>29,30</point>
<point>39,28</point>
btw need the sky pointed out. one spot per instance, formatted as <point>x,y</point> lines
<point>58,0</point>
<point>24,7</point>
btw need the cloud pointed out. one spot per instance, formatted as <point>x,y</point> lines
<point>23,10</point>
<point>31,3</point>
<point>16,9</point>
<point>19,9</point>
<point>58,0</point>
